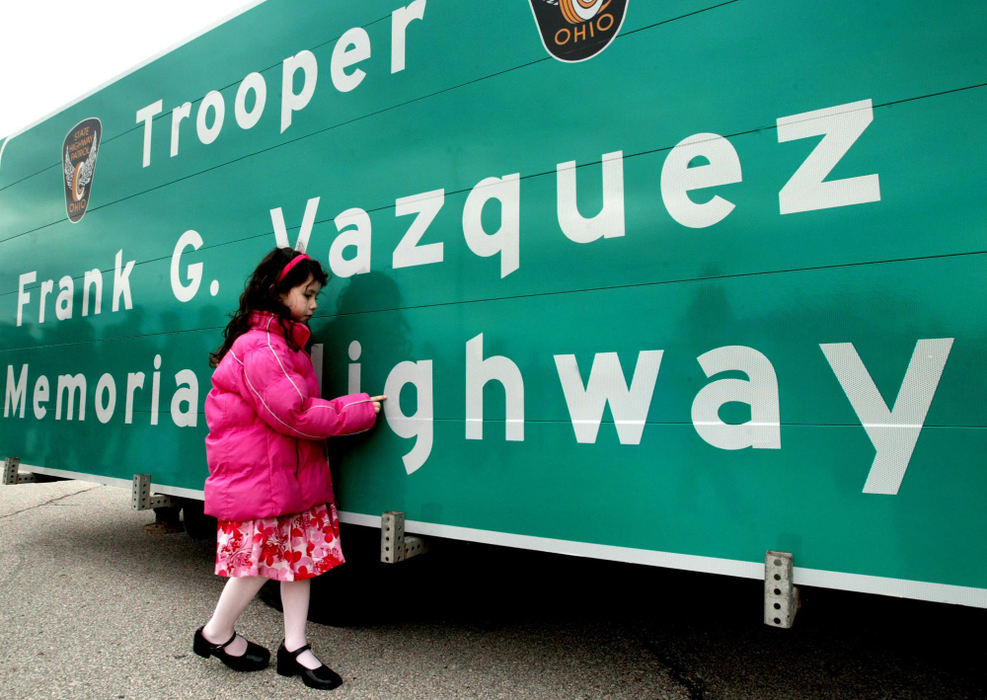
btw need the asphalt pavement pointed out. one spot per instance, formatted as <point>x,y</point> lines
<point>94,604</point>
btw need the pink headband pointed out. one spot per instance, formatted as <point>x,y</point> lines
<point>294,261</point>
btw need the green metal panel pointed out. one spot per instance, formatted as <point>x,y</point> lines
<point>893,263</point>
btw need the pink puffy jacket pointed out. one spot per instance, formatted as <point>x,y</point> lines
<point>267,426</point>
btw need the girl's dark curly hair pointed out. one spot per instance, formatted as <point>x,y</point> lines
<point>262,292</point>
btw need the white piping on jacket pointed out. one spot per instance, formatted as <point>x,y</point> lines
<point>300,395</point>
<point>280,364</point>
<point>264,403</point>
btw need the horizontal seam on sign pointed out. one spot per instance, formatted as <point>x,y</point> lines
<point>668,423</point>
<point>675,19</point>
<point>499,420</point>
<point>682,280</point>
<point>112,339</point>
<point>264,403</point>
<point>288,142</point>
<point>677,424</point>
<point>435,94</point>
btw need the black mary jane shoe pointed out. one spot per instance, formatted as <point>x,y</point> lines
<point>323,677</point>
<point>254,658</point>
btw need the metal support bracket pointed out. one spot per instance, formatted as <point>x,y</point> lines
<point>781,597</point>
<point>141,497</point>
<point>395,546</point>
<point>12,474</point>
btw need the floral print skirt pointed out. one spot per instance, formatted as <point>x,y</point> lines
<point>286,548</point>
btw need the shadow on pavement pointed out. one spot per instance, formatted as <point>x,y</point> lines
<point>706,629</point>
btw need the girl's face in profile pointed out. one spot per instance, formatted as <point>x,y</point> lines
<point>300,300</point>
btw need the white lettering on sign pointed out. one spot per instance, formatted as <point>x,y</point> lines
<point>64,301</point>
<point>105,398</point>
<point>186,286</point>
<point>299,82</point>
<point>419,424</point>
<point>481,371</point>
<point>135,381</point>
<point>185,292</point>
<point>187,395</point>
<point>23,297</point>
<point>893,432</point>
<point>14,396</point>
<point>146,115</point>
<point>354,234</point>
<point>92,287</point>
<point>155,389</point>
<point>840,127</point>
<point>213,102</point>
<point>679,177</point>
<point>72,395</point>
<point>697,162</point>
<point>400,19</point>
<point>491,225</point>
<point>759,391</point>
<point>505,241</point>
<point>609,222</point>
<point>353,369</point>
<point>407,253</point>
<point>46,288</point>
<point>70,386</point>
<point>178,114</point>
<point>353,47</point>
<point>253,83</point>
<point>63,304</point>
<point>121,281</point>
<point>292,101</point>
<point>42,394</point>
<point>606,385</point>
<point>304,233</point>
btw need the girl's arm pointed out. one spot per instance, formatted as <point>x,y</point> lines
<point>353,413</point>
<point>281,400</point>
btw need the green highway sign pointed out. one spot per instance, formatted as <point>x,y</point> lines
<point>664,282</point>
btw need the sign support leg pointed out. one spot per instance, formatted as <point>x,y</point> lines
<point>781,597</point>
<point>11,472</point>
<point>395,546</point>
<point>141,497</point>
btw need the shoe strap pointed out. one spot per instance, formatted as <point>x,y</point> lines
<point>294,654</point>
<point>225,644</point>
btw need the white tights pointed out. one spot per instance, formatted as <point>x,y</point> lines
<point>236,596</point>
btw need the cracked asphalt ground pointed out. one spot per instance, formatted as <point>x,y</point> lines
<point>94,606</point>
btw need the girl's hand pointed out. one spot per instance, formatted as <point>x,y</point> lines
<point>377,400</point>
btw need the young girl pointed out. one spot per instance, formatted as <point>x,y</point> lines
<point>269,484</point>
